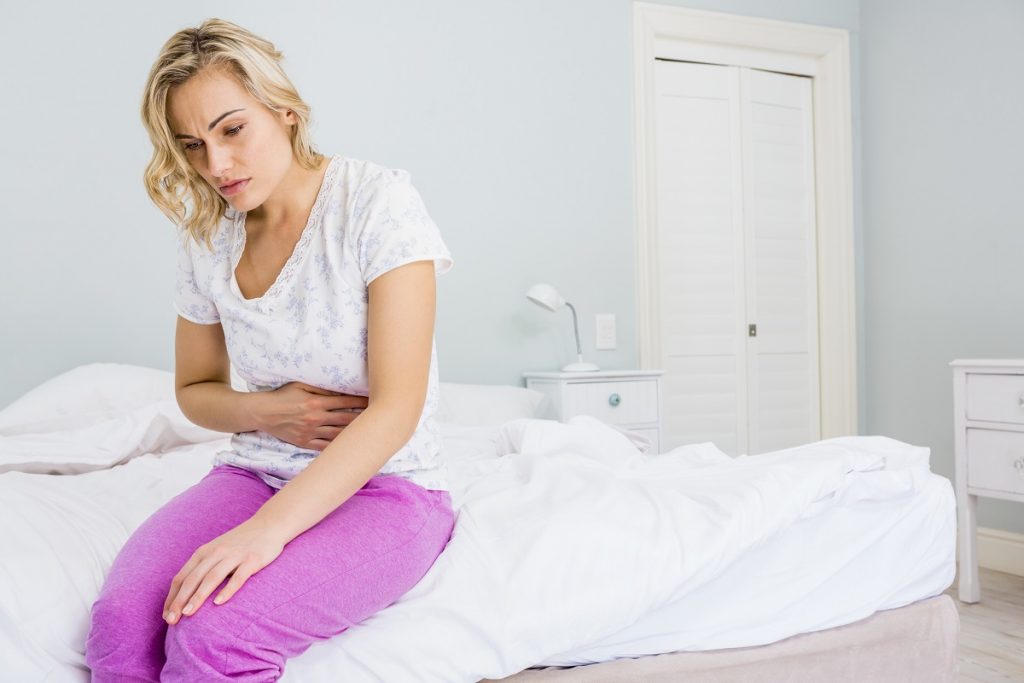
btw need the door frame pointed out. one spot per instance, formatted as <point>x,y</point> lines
<point>817,51</point>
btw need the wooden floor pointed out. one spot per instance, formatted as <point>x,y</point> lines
<point>992,630</point>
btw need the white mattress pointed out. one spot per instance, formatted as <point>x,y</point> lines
<point>570,547</point>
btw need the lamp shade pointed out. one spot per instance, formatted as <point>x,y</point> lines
<point>548,297</point>
<point>545,295</point>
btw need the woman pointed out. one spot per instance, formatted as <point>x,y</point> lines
<point>316,276</point>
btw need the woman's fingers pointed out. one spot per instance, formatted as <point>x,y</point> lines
<point>320,390</point>
<point>187,587</point>
<point>323,438</point>
<point>316,390</point>
<point>343,401</point>
<point>337,418</point>
<point>327,432</point>
<point>239,577</point>
<point>213,578</point>
<point>180,577</point>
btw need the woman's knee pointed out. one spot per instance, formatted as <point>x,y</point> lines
<point>123,642</point>
<point>102,643</point>
<point>208,646</point>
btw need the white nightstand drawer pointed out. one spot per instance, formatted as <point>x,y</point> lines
<point>995,460</point>
<point>627,402</point>
<point>996,398</point>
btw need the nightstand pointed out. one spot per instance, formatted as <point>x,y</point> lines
<point>626,398</point>
<point>988,414</point>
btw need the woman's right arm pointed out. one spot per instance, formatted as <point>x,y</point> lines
<point>202,381</point>
<point>297,413</point>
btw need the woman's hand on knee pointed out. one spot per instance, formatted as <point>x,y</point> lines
<point>307,416</point>
<point>238,553</point>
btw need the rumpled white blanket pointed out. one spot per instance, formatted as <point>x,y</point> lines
<point>151,428</point>
<point>572,535</point>
<point>566,535</point>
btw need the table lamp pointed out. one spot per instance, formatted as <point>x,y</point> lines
<point>547,296</point>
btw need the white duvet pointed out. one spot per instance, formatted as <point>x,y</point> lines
<point>570,546</point>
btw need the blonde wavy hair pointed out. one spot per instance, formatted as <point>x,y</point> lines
<point>171,182</point>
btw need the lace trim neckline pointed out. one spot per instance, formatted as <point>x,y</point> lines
<point>301,245</point>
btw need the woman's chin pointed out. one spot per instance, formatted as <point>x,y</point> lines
<point>238,204</point>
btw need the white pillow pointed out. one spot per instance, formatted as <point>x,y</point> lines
<point>94,416</point>
<point>85,396</point>
<point>487,404</point>
<point>89,395</point>
<point>101,414</point>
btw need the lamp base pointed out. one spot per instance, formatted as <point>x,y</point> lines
<point>580,367</point>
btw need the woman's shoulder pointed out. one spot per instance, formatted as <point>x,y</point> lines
<point>360,175</point>
<point>217,247</point>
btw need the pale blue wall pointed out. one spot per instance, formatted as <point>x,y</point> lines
<point>514,118</point>
<point>943,240</point>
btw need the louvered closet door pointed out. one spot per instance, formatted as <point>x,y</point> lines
<point>700,249</point>
<point>782,279</point>
<point>735,216</point>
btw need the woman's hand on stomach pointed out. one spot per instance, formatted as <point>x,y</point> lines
<point>307,416</point>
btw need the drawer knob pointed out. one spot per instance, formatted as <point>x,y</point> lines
<point>614,400</point>
<point>1021,400</point>
<point>1018,465</point>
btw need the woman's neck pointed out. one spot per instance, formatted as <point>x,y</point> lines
<point>293,199</point>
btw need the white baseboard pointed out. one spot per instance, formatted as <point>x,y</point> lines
<point>1001,550</point>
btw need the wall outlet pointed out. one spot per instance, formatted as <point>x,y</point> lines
<point>605,331</point>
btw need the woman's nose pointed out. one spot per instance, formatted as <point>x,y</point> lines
<point>218,160</point>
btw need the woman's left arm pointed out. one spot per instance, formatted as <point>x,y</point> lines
<point>400,332</point>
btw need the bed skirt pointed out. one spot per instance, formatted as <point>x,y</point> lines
<point>916,643</point>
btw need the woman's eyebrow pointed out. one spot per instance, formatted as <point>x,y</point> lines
<point>212,123</point>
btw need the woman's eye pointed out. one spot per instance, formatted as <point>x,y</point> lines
<point>192,146</point>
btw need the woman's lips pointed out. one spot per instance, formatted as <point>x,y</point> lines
<point>235,187</point>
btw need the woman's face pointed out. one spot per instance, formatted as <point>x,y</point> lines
<point>228,137</point>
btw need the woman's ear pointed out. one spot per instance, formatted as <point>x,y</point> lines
<point>288,117</point>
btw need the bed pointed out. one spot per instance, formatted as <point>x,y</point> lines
<point>576,556</point>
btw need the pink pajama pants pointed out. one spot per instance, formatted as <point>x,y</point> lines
<point>360,558</point>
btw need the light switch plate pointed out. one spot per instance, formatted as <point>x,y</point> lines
<point>605,331</point>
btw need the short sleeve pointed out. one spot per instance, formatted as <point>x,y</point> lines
<point>391,227</point>
<point>189,301</point>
